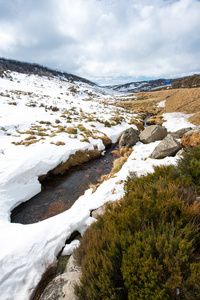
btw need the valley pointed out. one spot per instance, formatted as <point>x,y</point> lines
<point>46,120</point>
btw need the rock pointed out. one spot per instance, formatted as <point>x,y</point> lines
<point>180,152</point>
<point>191,138</point>
<point>62,287</point>
<point>179,133</point>
<point>72,265</point>
<point>129,138</point>
<point>153,133</point>
<point>99,211</point>
<point>168,147</point>
<point>116,153</point>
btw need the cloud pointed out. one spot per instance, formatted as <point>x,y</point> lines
<point>104,40</point>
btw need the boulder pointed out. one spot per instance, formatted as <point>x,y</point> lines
<point>153,133</point>
<point>167,147</point>
<point>191,138</point>
<point>99,211</point>
<point>62,286</point>
<point>72,265</point>
<point>179,133</point>
<point>129,138</point>
<point>116,153</point>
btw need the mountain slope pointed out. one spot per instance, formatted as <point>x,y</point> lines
<point>145,86</point>
<point>24,67</point>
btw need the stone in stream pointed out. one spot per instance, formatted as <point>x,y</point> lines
<point>116,153</point>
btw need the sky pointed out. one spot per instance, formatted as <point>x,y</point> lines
<point>106,41</point>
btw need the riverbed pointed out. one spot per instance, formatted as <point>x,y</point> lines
<point>59,192</point>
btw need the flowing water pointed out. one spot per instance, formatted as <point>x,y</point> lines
<point>59,192</point>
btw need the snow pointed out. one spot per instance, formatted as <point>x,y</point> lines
<point>161,103</point>
<point>176,120</point>
<point>27,251</point>
<point>69,248</point>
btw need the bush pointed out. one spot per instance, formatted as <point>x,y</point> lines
<point>189,166</point>
<point>147,245</point>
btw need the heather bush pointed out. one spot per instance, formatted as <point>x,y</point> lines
<point>189,166</point>
<point>146,246</point>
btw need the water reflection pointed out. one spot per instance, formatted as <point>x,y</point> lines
<point>61,191</point>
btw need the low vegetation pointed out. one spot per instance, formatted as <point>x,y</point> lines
<point>146,246</point>
<point>188,82</point>
<point>184,100</point>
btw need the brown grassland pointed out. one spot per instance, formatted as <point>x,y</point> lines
<point>186,100</point>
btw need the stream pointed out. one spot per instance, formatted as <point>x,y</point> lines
<point>59,192</point>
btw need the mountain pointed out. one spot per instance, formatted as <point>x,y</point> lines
<point>24,67</point>
<point>8,65</point>
<point>145,86</point>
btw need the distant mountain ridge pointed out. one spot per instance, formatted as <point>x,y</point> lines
<point>25,67</point>
<point>145,86</point>
<point>132,87</point>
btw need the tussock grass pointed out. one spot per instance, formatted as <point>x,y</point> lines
<point>74,160</point>
<point>185,100</point>
<point>71,130</point>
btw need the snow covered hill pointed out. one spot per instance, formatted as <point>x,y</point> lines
<point>44,118</point>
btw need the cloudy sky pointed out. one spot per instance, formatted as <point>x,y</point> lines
<point>106,41</point>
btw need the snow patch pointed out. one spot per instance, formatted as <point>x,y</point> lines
<point>177,120</point>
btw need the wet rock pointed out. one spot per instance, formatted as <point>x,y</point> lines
<point>129,138</point>
<point>116,153</point>
<point>62,286</point>
<point>153,133</point>
<point>179,133</point>
<point>72,265</point>
<point>191,138</point>
<point>167,147</point>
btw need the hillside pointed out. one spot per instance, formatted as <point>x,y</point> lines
<point>157,103</point>
<point>44,121</point>
<point>150,85</point>
<point>28,68</point>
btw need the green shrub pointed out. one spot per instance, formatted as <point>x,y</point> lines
<point>189,166</point>
<point>146,246</point>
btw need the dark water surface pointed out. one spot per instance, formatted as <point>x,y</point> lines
<point>59,192</point>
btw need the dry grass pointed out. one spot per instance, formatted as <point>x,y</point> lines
<point>106,141</point>
<point>186,100</point>
<point>71,130</point>
<point>74,160</point>
<point>59,143</point>
<point>195,119</point>
<point>118,163</point>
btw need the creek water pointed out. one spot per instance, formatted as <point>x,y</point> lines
<point>59,192</point>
